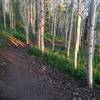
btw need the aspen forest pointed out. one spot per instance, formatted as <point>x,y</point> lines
<point>49,49</point>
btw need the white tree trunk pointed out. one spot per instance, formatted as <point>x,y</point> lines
<point>78,33</point>
<point>91,42</point>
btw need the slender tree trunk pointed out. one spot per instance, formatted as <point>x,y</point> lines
<point>34,10</point>
<point>38,22</point>
<point>66,24</point>
<point>12,19</point>
<point>78,33</point>
<point>49,5</point>
<point>66,32</point>
<point>33,16</point>
<point>91,42</point>
<point>39,39</point>
<point>26,13</point>
<point>28,21</point>
<point>11,16</point>
<point>4,13</point>
<point>42,25</point>
<point>71,29</point>
<point>54,34</point>
<point>52,19</point>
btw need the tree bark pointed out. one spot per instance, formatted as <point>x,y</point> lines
<point>78,33</point>
<point>71,29</point>
<point>91,42</point>
<point>54,34</point>
<point>42,25</point>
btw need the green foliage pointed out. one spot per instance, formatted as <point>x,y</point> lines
<point>20,36</point>
<point>11,33</point>
<point>5,34</point>
<point>97,76</point>
<point>60,38</point>
<point>55,59</point>
<point>34,51</point>
<point>97,62</point>
<point>2,42</point>
<point>49,37</point>
<point>58,60</point>
<point>20,32</point>
<point>80,73</point>
<point>20,28</point>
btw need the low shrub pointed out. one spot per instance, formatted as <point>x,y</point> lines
<point>49,37</point>
<point>34,51</point>
<point>20,36</point>
<point>2,42</point>
<point>58,60</point>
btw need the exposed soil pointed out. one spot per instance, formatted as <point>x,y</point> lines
<point>26,78</point>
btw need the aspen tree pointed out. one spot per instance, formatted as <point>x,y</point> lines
<point>71,28</point>
<point>42,25</point>
<point>78,30</point>
<point>91,42</point>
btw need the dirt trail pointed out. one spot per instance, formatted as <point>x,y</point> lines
<point>25,78</point>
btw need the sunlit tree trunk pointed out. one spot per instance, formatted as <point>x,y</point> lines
<point>78,30</point>
<point>91,42</point>
<point>42,25</point>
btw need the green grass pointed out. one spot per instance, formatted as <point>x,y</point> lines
<point>2,42</point>
<point>20,36</point>
<point>58,60</point>
<point>34,51</point>
<point>10,34</point>
<point>49,37</point>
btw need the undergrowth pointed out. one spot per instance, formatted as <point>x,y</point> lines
<point>49,37</point>
<point>58,60</point>
<point>34,51</point>
<point>2,42</point>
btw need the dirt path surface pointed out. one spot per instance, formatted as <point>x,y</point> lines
<point>25,78</point>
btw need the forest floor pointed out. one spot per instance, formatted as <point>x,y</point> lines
<point>26,78</point>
